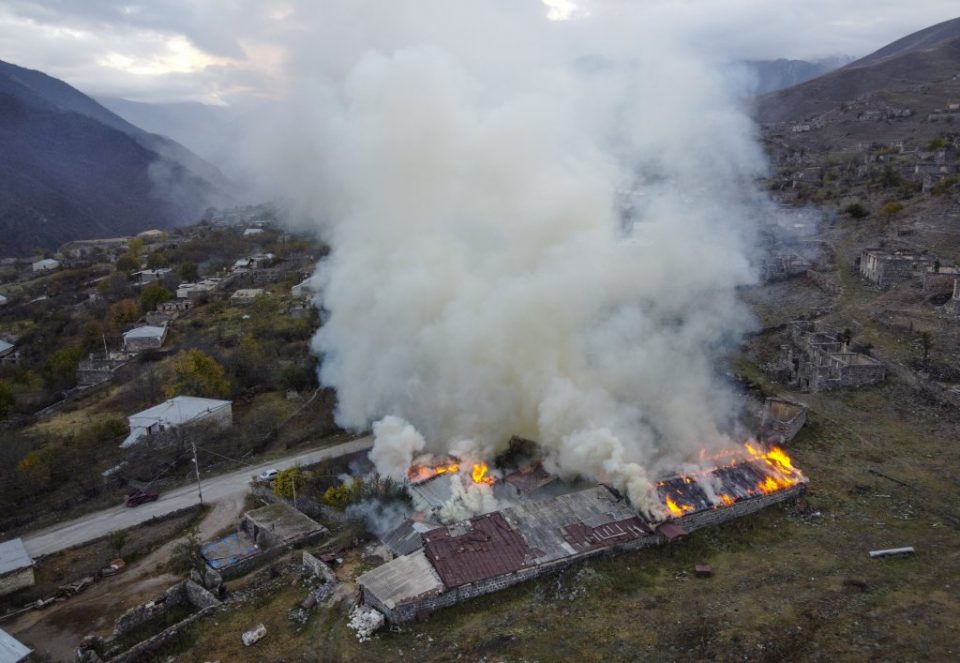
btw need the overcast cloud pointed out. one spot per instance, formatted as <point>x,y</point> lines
<point>222,51</point>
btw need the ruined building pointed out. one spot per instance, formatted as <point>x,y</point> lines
<point>819,360</point>
<point>886,268</point>
<point>529,539</point>
<point>782,420</point>
<point>953,306</point>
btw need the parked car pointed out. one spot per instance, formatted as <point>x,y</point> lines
<point>138,497</point>
<point>269,475</point>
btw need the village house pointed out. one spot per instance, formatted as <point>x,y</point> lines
<point>86,248</point>
<point>175,306</point>
<point>12,650</point>
<point>144,338</point>
<point>246,295</point>
<point>3,300</point>
<point>198,291</point>
<point>252,232</point>
<point>182,411</point>
<point>98,368</point>
<point>305,288</point>
<point>8,354</point>
<point>45,265</point>
<point>16,567</point>
<point>145,276</point>
<point>953,306</point>
<point>152,235</point>
<point>886,268</point>
<point>261,533</point>
<point>819,360</point>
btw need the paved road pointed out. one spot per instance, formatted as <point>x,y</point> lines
<point>94,525</point>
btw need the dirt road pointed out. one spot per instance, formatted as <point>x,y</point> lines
<point>215,489</point>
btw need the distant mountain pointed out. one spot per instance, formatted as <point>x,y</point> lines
<point>199,127</point>
<point>773,75</point>
<point>929,56</point>
<point>72,169</point>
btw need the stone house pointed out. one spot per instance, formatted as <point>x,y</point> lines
<point>98,368</point>
<point>886,268</point>
<point>819,360</point>
<point>144,338</point>
<point>16,567</point>
<point>45,265</point>
<point>182,411</point>
<point>246,295</point>
<point>145,276</point>
<point>782,420</point>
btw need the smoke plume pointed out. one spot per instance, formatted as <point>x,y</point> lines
<point>556,259</point>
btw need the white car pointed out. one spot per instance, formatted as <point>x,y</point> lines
<point>269,475</point>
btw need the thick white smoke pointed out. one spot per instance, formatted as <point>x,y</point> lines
<point>558,262</point>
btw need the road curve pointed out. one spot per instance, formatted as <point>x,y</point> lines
<point>94,525</point>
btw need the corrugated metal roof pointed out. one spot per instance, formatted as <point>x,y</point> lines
<point>434,492</point>
<point>13,556</point>
<point>407,537</point>
<point>487,547</point>
<point>11,649</point>
<point>147,331</point>
<point>178,410</point>
<point>543,523</point>
<point>402,580</point>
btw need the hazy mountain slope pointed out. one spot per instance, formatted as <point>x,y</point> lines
<point>773,75</point>
<point>929,56</point>
<point>71,169</point>
<point>199,127</point>
<point>925,39</point>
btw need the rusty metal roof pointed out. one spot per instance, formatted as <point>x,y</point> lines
<point>486,547</point>
<point>583,537</point>
<point>671,531</point>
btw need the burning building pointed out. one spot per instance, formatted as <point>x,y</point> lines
<point>531,538</point>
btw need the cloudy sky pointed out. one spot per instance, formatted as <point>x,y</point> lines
<point>223,51</point>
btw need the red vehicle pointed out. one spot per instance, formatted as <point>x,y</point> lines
<point>138,497</point>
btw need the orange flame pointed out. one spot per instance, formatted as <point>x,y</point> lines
<point>421,473</point>
<point>479,474</point>
<point>779,474</point>
<point>677,509</point>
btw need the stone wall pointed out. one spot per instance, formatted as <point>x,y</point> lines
<point>318,568</point>
<point>185,591</point>
<point>16,581</point>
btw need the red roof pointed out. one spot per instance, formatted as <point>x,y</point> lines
<point>583,537</point>
<point>671,531</point>
<point>488,548</point>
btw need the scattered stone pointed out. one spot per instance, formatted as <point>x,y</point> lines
<point>255,634</point>
<point>365,621</point>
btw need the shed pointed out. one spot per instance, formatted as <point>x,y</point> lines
<point>12,650</point>
<point>16,567</point>
<point>279,524</point>
<point>177,412</point>
<point>45,265</point>
<point>144,338</point>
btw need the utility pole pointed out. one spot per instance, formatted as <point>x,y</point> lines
<point>293,483</point>
<point>196,467</point>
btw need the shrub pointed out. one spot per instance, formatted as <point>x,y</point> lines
<point>289,482</point>
<point>856,211</point>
